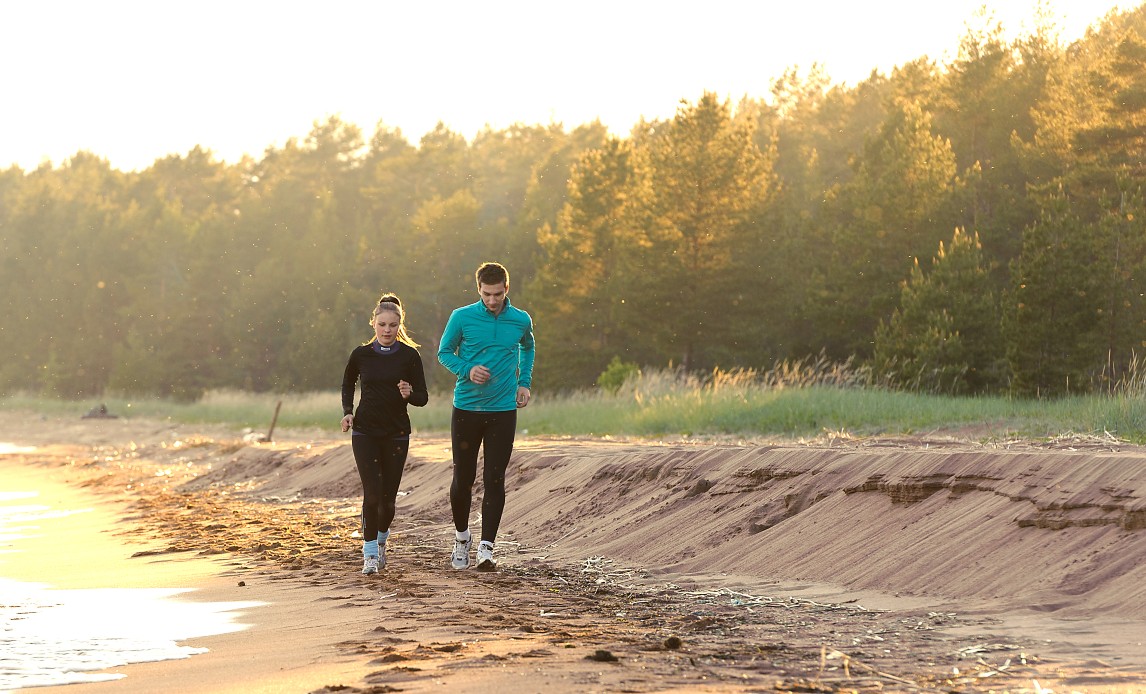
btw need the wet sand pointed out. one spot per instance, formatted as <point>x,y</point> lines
<point>98,549</point>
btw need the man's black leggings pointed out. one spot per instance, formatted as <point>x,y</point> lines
<point>494,432</point>
<point>380,462</point>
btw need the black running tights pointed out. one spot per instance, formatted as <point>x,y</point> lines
<point>494,431</point>
<point>380,462</point>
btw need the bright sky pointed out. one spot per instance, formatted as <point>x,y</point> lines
<point>136,81</point>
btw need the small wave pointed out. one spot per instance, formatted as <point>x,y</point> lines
<point>50,636</point>
<point>10,448</point>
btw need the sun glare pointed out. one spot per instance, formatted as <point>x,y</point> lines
<point>410,66</point>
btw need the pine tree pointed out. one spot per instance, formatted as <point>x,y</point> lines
<point>1090,149</point>
<point>1052,307</point>
<point>945,336</point>
<point>591,264</point>
<point>1120,277</point>
<point>709,177</point>
<point>889,215</point>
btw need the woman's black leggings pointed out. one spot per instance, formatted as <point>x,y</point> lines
<point>494,431</point>
<point>380,462</point>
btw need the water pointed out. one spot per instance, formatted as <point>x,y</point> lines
<point>51,635</point>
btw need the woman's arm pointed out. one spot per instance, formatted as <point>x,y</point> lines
<point>419,396</point>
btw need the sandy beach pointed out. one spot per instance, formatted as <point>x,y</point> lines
<point>934,565</point>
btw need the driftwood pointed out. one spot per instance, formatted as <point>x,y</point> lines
<point>99,412</point>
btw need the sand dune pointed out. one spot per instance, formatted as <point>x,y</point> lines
<point>1049,530</point>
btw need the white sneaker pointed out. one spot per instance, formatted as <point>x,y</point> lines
<point>370,566</point>
<point>485,560</point>
<point>460,558</point>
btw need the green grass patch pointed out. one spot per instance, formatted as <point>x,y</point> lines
<point>667,405</point>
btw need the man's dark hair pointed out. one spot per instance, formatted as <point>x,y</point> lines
<point>492,273</point>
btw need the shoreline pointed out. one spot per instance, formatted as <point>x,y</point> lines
<point>570,594</point>
<point>106,553</point>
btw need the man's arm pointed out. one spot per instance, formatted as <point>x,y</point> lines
<point>525,356</point>
<point>448,348</point>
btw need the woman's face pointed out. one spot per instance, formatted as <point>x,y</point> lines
<point>386,327</point>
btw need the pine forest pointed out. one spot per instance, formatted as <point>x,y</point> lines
<point>974,227</point>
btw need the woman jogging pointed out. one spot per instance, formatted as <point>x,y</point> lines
<point>390,371</point>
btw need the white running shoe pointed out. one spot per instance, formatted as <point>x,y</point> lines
<point>485,560</point>
<point>460,558</point>
<point>370,566</point>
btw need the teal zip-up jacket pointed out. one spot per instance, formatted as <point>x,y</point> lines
<point>503,343</point>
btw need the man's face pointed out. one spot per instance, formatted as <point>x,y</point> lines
<point>493,296</point>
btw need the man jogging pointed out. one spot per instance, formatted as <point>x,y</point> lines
<point>488,345</point>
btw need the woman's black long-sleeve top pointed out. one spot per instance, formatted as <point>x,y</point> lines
<point>382,409</point>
